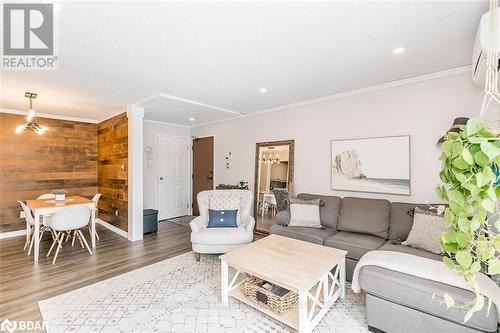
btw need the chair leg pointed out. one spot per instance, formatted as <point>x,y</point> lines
<point>79,239</point>
<point>31,242</point>
<point>28,238</point>
<point>84,241</point>
<point>59,246</point>
<point>96,234</point>
<point>55,237</point>
<point>73,240</point>
<point>197,256</point>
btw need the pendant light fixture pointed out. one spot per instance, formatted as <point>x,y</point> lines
<point>31,123</point>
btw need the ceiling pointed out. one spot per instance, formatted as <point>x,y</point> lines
<point>209,60</point>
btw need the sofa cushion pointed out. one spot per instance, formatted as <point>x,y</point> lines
<point>312,235</point>
<point>355,244</point>
<point>226,236</point>
<point>329,211</point>
<point>417,293</point>
<point>410,250</point>
<point>366,216</point>
<point>400,221</point>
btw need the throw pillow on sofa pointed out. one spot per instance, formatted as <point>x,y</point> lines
<point>222,218</point>
<point>304,213</point>
<point>425,232</point>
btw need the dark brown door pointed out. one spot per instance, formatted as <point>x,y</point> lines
<point>203,168</point>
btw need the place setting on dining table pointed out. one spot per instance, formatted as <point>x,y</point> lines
<point>63,216</point>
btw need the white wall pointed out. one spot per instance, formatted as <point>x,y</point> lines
<point>423,110</point>
<point>151,132</point>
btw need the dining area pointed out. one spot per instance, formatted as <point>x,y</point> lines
<point>63,218</point>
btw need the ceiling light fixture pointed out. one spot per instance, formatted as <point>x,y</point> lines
<point>192,119</point>
<point>398,50</point>
<point>263,90</point>
<point>31,123</point>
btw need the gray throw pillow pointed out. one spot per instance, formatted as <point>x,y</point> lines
<point>304,213</point>
<point>426,230</point>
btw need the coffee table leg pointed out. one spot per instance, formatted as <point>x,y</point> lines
<point>303,316</point>
<point>224,282</point>
<point>342,278</point>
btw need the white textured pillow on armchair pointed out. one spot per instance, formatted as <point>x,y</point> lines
<point>304,213</point>
<point>426,230</point>
<point>225,202</point>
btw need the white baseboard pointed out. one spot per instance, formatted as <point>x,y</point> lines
<point>10,234</point>
<point>111,227</point>
<point>18,233</point>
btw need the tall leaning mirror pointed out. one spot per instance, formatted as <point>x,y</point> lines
<point>273,175</point>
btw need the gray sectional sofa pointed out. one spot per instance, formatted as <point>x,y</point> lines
<point>395,302</point>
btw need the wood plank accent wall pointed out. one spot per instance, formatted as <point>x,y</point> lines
<point>113,170</point>
<point>30,165</point>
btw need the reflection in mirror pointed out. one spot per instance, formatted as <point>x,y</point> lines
<point>274,174</point>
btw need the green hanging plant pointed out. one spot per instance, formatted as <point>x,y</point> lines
<point>471,188</point>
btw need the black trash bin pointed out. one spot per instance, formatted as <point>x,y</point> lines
<point>150,219</point>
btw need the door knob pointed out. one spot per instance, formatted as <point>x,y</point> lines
<point>161,178</point>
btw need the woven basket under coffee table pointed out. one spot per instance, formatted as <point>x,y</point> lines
<point>278,304</point>
<point>314,272</point>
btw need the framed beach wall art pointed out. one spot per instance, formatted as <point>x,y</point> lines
<point>376,165</point>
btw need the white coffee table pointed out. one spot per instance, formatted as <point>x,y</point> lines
<point>315,272</point>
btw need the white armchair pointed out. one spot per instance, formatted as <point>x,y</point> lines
<point>221,240</point>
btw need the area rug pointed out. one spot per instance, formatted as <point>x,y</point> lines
<point>182,220</point>
<point>176,295</point>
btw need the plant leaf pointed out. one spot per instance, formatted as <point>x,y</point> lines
<point>488,204</point>
<point>463,258</point>
<point>493,266</point>
<point>474,125</point>
<point>490,150</point>
<point>467,156</point>
<point>481,159</point>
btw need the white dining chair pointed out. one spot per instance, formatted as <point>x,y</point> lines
<point>46,196</point>
<point>95,199</point>
<point>30,221</point>
<point>67,221</point>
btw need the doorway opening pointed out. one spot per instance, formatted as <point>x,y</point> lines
<point>203,168</point>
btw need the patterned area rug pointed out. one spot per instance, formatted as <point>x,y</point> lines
<point>176,295</point>
<point>182,220</point>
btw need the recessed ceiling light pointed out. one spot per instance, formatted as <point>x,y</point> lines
<point>398,50</point>
<point>263,90</point>
<point>192,119</point>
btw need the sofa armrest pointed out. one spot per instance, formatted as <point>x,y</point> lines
<point>198,223</point>
<point>248,222</point>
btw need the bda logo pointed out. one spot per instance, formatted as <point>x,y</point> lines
<point>7,325</point>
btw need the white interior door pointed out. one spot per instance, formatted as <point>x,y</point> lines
<point>174,182</point>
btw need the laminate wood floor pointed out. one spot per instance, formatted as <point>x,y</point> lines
<point>23,283</point>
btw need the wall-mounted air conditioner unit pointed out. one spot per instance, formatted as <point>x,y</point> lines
<point>480,47</point>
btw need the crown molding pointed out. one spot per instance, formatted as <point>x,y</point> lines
<point>50,116</point>
<point>361,91</point>
<point>365,90</point>
<point>185,100</point>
